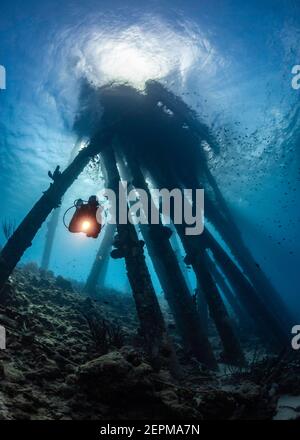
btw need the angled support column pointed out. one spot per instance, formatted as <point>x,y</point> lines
<point>202,308</point>
<point>180,301</point>
<point>220,216</point>
<point>197,258</point>
<point>129,247</point>
<point>51,199</point>
<point>233,301</point>
<point>53,222</point>
<point>166,265</point>
<point>101,260</point>
<point>269,328</point>
<point>51,229</point>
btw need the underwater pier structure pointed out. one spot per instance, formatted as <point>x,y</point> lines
<point>100,264</point>
<point>144,140</point>
<point>54,220</point>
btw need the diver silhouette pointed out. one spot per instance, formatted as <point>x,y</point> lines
<point>85,217</point>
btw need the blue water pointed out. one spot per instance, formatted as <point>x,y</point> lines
<point>230,60</point>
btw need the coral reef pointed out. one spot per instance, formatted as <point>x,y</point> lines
<point>71,357</point>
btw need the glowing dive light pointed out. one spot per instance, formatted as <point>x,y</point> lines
<point>85,217</point>
<point>85,225</point>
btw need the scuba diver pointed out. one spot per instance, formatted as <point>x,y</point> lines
<point>85,217</point>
